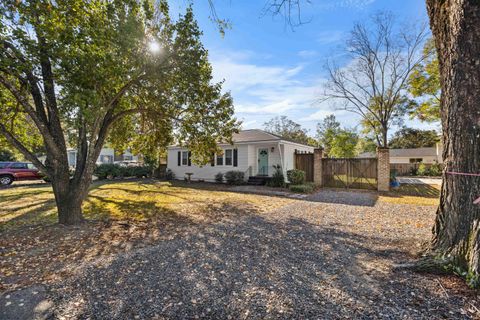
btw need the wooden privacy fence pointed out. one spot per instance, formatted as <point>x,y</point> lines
<point>350,173</point>
<point>304,162</point>
<point>355,173</point>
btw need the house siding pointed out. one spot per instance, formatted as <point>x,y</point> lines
<point>247,158</point>
<point>426,159</point>
<point>206,172</point>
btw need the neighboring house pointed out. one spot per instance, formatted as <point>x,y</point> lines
<point>253,152</point>
<point>425,155</point>
<point>107,155</point>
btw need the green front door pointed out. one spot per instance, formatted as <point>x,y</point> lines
<point>263,162</point>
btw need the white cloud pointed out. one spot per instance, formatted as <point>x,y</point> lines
<point>318,115</point>
<point>330,36</point>
<point>264,88</point>
<point>307,54</point>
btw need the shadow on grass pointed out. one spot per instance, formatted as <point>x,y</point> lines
<point>416,190</point>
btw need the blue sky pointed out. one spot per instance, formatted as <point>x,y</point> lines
<point>272,70</point>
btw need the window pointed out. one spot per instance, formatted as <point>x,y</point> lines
<point>219,159</point>
<point>3,165</point>
<point>228,157</point>
<point>416,160</point>
<point>106,159</point>
<point>31,166</point>
<point>18,166</point>
<point>184,158</point>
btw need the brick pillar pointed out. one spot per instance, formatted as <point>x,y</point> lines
<point>383,169</point>
<point>317,166</point>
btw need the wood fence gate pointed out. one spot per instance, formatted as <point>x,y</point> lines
<point>304,162</point>
<point>350,173</point>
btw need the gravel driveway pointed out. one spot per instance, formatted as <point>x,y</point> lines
<point>308,260</point>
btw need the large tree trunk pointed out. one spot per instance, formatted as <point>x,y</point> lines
<point>456,235</point>
<point>69,192</point>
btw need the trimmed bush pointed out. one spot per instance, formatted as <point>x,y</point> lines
<point>140,172</point>
<point>302,188</point>
<point>422,169</point>
<point>278,179</point>
<point>234,177</point>
<point>435,170</point>
<point>219,177</point>
<point>108,170</point>
<point>296,176</point>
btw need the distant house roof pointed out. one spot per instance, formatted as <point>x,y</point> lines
<point>257,135</point>
<point>406,153</point>
<point>416,152</point>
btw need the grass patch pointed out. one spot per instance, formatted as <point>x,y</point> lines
<point>140,200</point>
<point>419,194</point>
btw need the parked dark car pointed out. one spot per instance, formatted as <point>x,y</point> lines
<point>17,171</point>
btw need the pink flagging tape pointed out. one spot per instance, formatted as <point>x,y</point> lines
<point>464,174</point>
<point>476,201</point>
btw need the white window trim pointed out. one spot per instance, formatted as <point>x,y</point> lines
<point>224,159</point>
<point>181,159</point>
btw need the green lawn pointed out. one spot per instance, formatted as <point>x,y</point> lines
<point>127,200</point>
<point>420,194</point>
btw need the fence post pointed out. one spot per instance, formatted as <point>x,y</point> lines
<point>317,166</point>
<point>383,167</point>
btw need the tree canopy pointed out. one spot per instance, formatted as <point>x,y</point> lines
<point>337,142</point>
<point>288,129</point>
<point>413,138</point>
<point>424,86</point>
<point>80,73</point>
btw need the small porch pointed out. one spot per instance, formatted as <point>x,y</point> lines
<point>263,157</point>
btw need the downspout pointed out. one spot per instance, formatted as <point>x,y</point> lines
<point>281,160</point>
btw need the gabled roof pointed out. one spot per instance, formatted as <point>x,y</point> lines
<point>257,135</point>
<point>407,153</point>
<point>254,135</point>
<point>416,152</point>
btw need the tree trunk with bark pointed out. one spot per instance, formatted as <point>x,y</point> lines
<point>456,235</point>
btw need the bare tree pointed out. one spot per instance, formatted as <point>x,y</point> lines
<point>455,244</point>
<point>374,84</point>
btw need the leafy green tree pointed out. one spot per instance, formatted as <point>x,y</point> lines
<point>81,73</point>
<point>288,129</point>
<point>413,138</point>
<point>424,85</point>
<point>326,132</point>
<point>7,155</point>
<point>337,142</point>
<point>366,143</point>
<point>344,144</point>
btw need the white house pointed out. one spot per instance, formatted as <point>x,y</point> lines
<point>415,155</point>
<point>253,152</point>
<point>107,155</point>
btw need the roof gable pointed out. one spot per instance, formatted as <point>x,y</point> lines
<point>253,135</point>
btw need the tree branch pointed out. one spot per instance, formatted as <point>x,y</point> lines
<point>20,147</point>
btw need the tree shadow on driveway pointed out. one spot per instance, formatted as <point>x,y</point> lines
<point>247,265</point>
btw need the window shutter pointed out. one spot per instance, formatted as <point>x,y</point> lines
<point>212,160</point>
<point>189,158</point>
<point>235,157</point>
<point>179,162</point>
